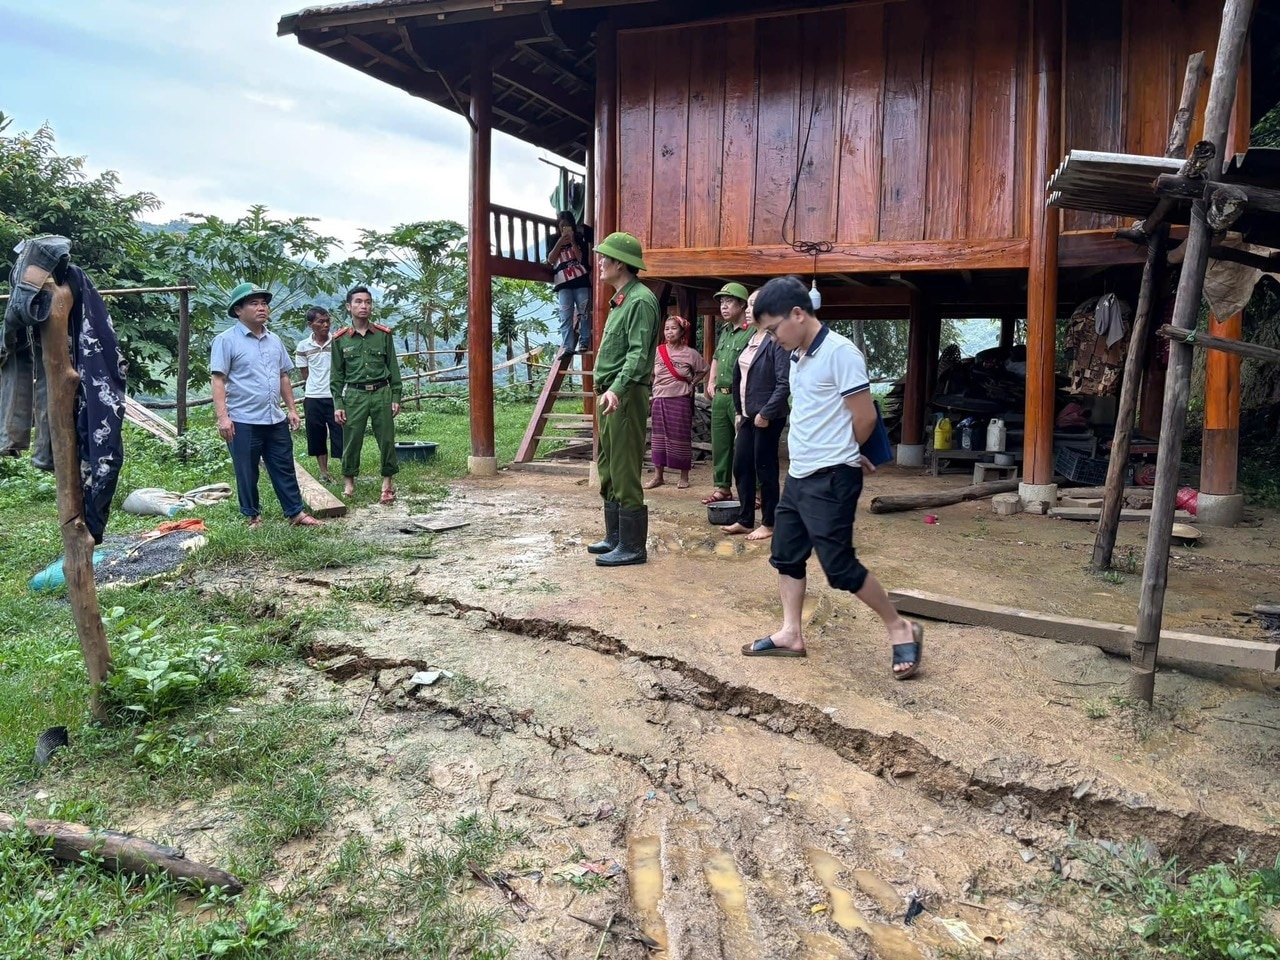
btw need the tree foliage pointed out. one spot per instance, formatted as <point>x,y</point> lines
<point>422,269</point>
<point>288,257</point>
<point>42,192</point>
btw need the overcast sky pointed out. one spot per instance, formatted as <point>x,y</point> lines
<point>200,103</point>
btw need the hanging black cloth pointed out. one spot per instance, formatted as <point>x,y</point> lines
<point>95,352</point>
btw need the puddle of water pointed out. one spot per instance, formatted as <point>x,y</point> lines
<point>731,897</point>
<point>890,943</point>
<point>644,874</point>
<point>879,891</point>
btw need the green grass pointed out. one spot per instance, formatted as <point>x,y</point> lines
<point>211,704</point>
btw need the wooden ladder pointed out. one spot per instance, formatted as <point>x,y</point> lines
<point>544,419</point>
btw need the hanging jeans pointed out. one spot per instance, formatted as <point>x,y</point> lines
<point>270,444</point>
<point>24,403</point>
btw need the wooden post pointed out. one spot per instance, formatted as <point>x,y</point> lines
<point>914,395</point>
<point>1220,447</point>
<point>479,281</point>
<point>1042,275</point>
<point>1155,571</point>
<point>708,336</point>
<point>1139,337</point>
<point>606,174</point>
<point>77,541</point>
<point>184,356</point>
<point>1008,327</point>
<point>1109,520</point>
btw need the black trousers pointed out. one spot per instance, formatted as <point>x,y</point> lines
<point>321,426</point>
<point>817,513</point>
<point>755,463</point>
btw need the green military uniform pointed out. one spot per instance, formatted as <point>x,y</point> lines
<point>730,342</point>
<point>624,365</point>
<point>365,382</point>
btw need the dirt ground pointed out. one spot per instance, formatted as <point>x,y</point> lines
<point>764,808</point>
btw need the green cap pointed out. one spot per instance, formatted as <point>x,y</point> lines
<point>243,292</point>
<point>732,290</point>
<point>623,247</point>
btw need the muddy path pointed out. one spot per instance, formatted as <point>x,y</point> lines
<point>745,808</point>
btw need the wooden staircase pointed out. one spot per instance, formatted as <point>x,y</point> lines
<point>545,424</point>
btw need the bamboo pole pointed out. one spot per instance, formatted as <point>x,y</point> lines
<point>1157,240</point>
<point>184,358</point>
<point>77,542</point>
<point>1155,571</point>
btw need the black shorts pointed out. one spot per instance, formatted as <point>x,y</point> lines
<point>817,513</point>
<point>323,433</point>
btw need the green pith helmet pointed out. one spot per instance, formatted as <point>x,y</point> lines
<point>732,290</point>
<point>243,292</point>
<point>623,247</point>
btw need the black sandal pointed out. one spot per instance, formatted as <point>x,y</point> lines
<point>911,653</point>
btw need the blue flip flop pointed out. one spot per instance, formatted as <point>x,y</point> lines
<point>765,647</point>
<point>911,653</point>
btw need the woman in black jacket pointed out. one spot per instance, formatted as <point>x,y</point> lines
<point>761,386</point>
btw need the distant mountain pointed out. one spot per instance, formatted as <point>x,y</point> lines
<point>173,226</point>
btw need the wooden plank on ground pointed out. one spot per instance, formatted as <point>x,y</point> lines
<point>1114,638</point>
<point>154,424</point>
<point>1092,513</point>
<point>316,496</point>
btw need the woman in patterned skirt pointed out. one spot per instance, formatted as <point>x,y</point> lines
<point>676,369</point>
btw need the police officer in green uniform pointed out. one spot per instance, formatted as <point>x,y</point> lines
<point>731,340</point>
<point>623,376</point>
<point>365,382</point>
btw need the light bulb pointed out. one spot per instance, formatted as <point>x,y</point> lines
<point>815,297</point>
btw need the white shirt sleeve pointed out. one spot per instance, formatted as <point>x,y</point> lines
<point>850,371</point>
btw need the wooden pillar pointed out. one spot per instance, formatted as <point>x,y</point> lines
<point>589,204</point>
<point>1220,449</point>
<point>913,398</point>
<point>604,170</point>
<point>709,335</point>
<point>1043,151</point>
<point>77,541</point>
<point>1151,396</point>
<point>184,356</point>
<point>483,458</point>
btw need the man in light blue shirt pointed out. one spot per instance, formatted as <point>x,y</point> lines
<point>250,369</point>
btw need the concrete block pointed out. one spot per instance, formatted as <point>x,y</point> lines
<point>911,454</point>
<point>1006,504</point>
<point>1219,510</point>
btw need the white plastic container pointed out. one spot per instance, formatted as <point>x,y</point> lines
<point>995,435</point>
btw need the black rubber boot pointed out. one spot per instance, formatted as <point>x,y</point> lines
<point>610,541</point>
<point>633,531</point>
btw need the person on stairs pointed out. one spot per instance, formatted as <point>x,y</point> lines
<point>250,369</point>
<point>571,280</point>
<point>623,375</point>
<point>676,372</point>
<point>731,339</point>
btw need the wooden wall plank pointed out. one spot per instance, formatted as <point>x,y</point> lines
<point>993,136</point>
<point>858,205</point>
<point>635,133</point>
<point>777,143</point>
<point>1154,31</point>
<point>670,139</point>
<point>1093,81</point>
<point>741,97</point>
<point>949,108</point>
<point>773,259</point>
<point>906,122</point>
<point>822,36</point>
<point>703,178</point>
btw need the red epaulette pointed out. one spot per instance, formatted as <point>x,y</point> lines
<point>342,332</point>
<point>378,326</point>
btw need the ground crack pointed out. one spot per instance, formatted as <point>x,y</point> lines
<point>1197,839</point>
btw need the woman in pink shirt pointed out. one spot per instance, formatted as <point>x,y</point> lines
<point>676,369</point>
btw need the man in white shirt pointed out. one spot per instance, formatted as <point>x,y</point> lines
<point>831,412</point>
<point>313,359</point>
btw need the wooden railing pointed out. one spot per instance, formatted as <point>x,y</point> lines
<point>519,243</point>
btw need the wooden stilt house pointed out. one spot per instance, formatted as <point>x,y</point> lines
<point>896,150</point>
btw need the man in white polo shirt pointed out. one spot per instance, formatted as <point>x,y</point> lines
<point>831,411</point>
<point>313,358</point>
